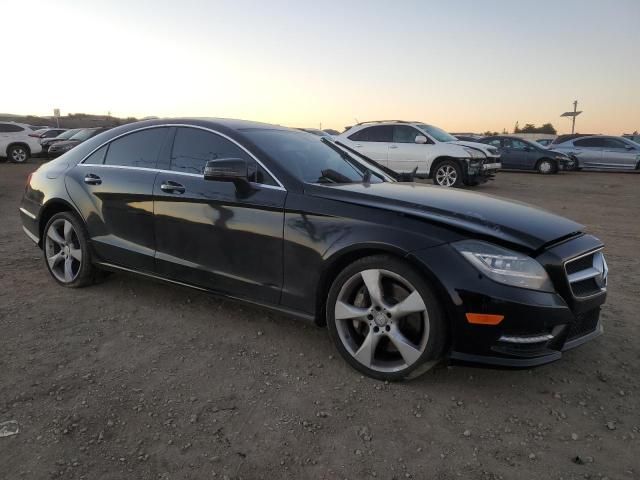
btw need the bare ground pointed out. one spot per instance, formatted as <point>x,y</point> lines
<point>134,379</point>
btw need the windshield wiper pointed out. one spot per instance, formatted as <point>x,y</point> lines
<point>334,176</point>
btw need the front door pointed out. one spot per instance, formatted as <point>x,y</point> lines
<point>517,155</point>
<point>618,154</point>
<point>405,154</point>
<point>209,235</point>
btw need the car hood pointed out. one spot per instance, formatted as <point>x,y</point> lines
<point>64,143</point>
<point>488,150</point>
<point>485,215</point>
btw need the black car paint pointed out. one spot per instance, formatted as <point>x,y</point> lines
<point>281,247</point>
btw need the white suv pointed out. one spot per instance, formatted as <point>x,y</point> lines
<point>404,146</point>
<point>16,144</point>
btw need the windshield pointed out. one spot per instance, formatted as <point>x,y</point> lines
<point>437,133</point>
<point>82,135</point>
<point>309,158</point>
<point>67,134</point>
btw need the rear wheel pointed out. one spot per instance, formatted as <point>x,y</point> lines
<point>18,154</point>
<point>546,166</point>
<point>385,320</point>
<point>447,174</point>
<point>66,251</point>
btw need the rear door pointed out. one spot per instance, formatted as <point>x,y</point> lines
<point>618,154</point>
<point>589,151</point>
<point>209,235</point>
<point>405,154</point>
<point>373,142</point>
<point>113,188</point>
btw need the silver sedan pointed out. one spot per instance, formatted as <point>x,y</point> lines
<point>602,152</point>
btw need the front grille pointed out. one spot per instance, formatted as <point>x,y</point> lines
<point>587,274</point>
<point>584,324</point>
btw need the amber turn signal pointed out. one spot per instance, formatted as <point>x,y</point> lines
<point>484,319</point>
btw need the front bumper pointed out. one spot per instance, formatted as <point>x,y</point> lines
<point>537,326</point>
<point>481,171</point>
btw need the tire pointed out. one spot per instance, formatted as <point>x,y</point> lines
<point>18,154</point>
<point>67,255</point>
<point>546,166</point>
<point>367,332</point>
<point>447,174</point>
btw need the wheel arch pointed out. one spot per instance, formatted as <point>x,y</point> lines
<point>439,160</point>
<point>49,209</point>
<point>18,143</point>
<point>338,261</point>
<point>341,259</point>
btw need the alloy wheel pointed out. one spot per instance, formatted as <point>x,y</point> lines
<point>545,167</point>
<point>63,251</point>
<point>18,155</point>
<point>446,176</point>
<point>382,320</point>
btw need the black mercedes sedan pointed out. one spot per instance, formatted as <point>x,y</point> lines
<point>403,274</point>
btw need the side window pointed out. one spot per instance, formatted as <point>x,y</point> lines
<point>10,128</point>
<point>361,135</point>
<point>589,142</point>
<point>139,149</point>
<point>97,157</point>
<point>613,143</point>
<point>405,134</point>
<point>495,142</point>
<point>193,148</point>
<point>383,133</point>
<point>518,145</point>
<point>507,143</point>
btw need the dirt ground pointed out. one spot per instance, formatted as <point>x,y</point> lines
<point>141,380</point>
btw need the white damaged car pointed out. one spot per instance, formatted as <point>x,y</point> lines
<point>431,152</point>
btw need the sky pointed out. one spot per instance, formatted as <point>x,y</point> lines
<point>466,66</point>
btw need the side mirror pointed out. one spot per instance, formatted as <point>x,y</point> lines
<point>233,170</point>
<point>421,139</point>
<point>527,148</point>
<point>628,147</point>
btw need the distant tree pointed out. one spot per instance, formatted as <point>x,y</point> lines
<point>531,128</point>
<point>489,133</point>
<point>516,129</point>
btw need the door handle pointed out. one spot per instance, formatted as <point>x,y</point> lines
<point>172,187</point>
<point>358,145</point>
<point>92,179</point>
<point>393,146</point>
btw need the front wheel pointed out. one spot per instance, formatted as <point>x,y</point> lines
<point>385,319</point>
<point>66,251</point>
<point>18,154</point>
<point>447,174</point>
<point>546,166</point>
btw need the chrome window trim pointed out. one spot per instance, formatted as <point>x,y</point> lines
<point>173,172</point>
<point>215,132</point>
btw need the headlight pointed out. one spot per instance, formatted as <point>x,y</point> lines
<point>67,147</point>
<point>473,153</point>
<point>505,266</point>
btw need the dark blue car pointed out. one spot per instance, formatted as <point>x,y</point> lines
<point>521,154</point>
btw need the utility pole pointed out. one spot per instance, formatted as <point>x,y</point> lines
<point>573,116</point>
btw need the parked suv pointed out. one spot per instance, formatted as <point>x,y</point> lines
<point>406,146</point>
<point>15,142</point>
<point>602,152</point>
